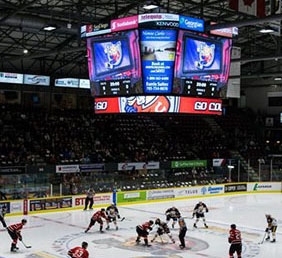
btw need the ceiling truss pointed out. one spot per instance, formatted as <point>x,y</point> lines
<point>62,52</point>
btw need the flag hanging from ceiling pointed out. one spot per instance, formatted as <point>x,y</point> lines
<point>251,7</point>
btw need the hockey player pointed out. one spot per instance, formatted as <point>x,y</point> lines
<point>162,229</point>
<point>182,232</point>
<point>113,214</point>
<point>3,212</point>
<point>236,241</point>
<point>199,212</point>
<point>172,213</point>
<point>79,252</point>
<point>271,227</point>
<point>142,230</point>
<point>98,216</point>
<point>14,231</point>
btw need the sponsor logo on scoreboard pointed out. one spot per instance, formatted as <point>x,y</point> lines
<point>149,17</point>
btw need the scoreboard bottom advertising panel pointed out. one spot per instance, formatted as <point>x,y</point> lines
<point>158,104</point>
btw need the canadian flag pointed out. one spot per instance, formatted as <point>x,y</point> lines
<point>252,7</point>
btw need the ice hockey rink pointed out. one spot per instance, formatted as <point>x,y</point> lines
<point>50,235</point>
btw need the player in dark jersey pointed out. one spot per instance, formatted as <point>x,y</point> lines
<point>79,252</point>
<point>14,231</point>
<point>172,213</point>
<point>162,229</point>
<point>236,241</point>
<point>143,230</point>
<point>271,227</point>
<point>199,212</point>
<point>98,216</point>
<point>3,212</point>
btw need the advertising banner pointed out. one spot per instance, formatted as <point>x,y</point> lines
<point>40,80</point>
<point>11,78</point>
<point>16,206</point>
<point>264,187</point>
<point>105,198</point>
<point>188,163</point>
<point>91,167</point>
<point>187,192</point>
<point>126,23</point>
<point>160,194</point>
<point>67,168</point>
<point>138,165</point>
<point>157,104</point>
<point>190,23</point>
<point>50,203</point>
<point>127,197</point>
<point>91,30</point>
<point>158,54</point>
<point>84,83</point>
<point>213,189</point>
<point>12,170</point>
<point>231,188</point>
<point>67,82</point>
<point>150,20</point>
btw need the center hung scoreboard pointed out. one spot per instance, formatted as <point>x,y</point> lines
<point>156,62</point>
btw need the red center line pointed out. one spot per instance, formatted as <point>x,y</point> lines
<point>59,222</point>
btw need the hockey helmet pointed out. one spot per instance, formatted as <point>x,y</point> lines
<point>151,222</point>
<point>84,244</point>
<point>103,209</point>
<point>158,221</point>
<point>233,226</point>
<point>24,221</point>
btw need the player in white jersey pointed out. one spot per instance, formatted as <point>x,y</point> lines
<point>271,227</point>
<point>162,229</point>
<point>199,212</point>
<point>172,213</point>
<point>113,214</point>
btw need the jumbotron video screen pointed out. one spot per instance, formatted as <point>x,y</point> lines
<point>156,63</point>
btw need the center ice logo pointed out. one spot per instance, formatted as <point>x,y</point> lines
<point>205,55</point>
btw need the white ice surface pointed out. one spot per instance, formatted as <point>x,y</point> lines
<point>52,234</point>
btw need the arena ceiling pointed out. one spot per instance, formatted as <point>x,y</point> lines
<point>62,53</point>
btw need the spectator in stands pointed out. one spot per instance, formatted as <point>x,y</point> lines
<point>3,196</point>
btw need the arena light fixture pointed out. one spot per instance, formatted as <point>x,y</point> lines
<point>266,30</point>
<point>150,6</point>
<point>50,27</point>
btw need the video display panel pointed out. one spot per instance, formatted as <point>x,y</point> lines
<point>201,55</point>
<point>201,60</point>
<point>114,63</point>
<point>111,57</point>
<point>157,56</point>
<point>158,104</point>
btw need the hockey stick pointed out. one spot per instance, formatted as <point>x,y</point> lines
<point>122,219</point>
<point>261,242</point>
<point>26,246</point>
